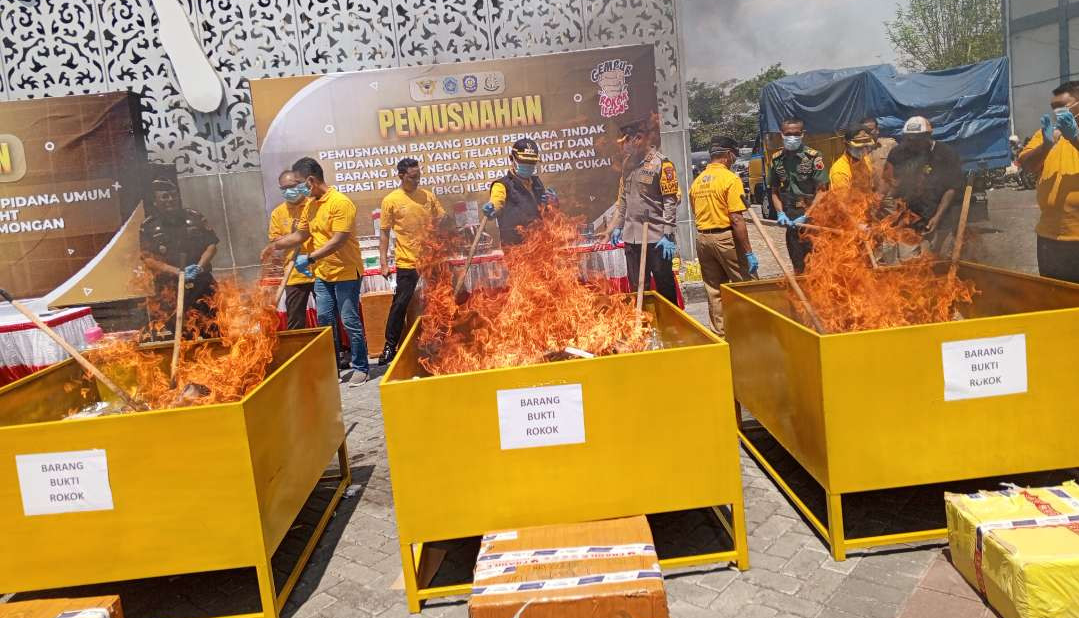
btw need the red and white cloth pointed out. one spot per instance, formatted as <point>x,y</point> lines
<point>25,349</point>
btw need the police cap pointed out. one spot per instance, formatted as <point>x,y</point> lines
<point>525,150</point>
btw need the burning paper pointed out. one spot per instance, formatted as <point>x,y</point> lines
<point>845,288</point>
<point>544,309</point>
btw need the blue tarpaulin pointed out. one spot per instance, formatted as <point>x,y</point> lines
<point>968,105</point>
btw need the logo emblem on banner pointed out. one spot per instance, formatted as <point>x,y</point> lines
<point>12,158</point>
<point>611,77</point>
<point>450,85</point>
<point>470,83</point>
<point>426,87</point>
<point>493,82</point>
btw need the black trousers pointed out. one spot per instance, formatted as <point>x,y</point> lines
<point>654,265</point>
<point>798,247</point>
<point>296,297</point>
<point>1058,259</point>
<point>407,278</point>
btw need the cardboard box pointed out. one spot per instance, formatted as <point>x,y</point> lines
<point>1020,548</point>
<point>51,608</point>
<point>596,569</point>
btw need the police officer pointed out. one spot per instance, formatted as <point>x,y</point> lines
<point>177,242</point>
<point>518,198</point>
<point>648,191</point>
<point>796,175</point>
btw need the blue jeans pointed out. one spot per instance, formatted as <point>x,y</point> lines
<point>333,298</point>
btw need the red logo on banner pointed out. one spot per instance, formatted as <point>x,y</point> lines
<point>611,77</point>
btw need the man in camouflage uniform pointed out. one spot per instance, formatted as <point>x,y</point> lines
<point>648,191</point>
<point>795,174</point>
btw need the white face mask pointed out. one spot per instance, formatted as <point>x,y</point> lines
<point>792,142</point>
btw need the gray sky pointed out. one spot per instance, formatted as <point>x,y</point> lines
<point>727,39</point>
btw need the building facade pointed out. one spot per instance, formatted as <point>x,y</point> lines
<point>1043,46</point>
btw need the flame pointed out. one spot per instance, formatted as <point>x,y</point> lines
<point>845,289</point>
<point>544,308</point>
<point>207,372</point>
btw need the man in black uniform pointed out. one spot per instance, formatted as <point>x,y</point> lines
<point>928,176</point>
<point>647,192</point>
<point>177,242</point>
<point>796,175</point>
<point>517,199</point>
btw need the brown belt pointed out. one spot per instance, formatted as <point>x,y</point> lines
<point>715,230</point>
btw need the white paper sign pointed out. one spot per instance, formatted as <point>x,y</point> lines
<point>984,367</point>
<point>541,416</point>
<point>64,482</point>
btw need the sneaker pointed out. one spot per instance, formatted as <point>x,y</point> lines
<point>359,378</point>
<point>387,354</point>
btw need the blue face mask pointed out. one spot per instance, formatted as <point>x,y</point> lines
<point>792,142</point>
<point>525,170</point>
<point>294,194</point>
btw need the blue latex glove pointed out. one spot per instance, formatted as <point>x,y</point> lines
<point>192,271</point>
<point>616,237</point>
<point>549,197</point>
<point>799,220</point>
<point>754,263</point>
<point>1047,128</point>
<point>1066,123</point>
<point>783,219</point>
<point>666,245</point>
<point>303,264</point>
<point>489,210</point>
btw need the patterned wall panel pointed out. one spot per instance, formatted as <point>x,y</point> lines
<point>436,31</point>
<point>50,48</point>
<point>135,60</point>
<point>345,35</point>
<point>622,22</point>
<point>537,27</point>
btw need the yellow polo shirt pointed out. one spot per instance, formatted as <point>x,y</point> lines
<point>1058,190</point>
<point>324,217</point>
<point>715,194</point>
<point>847,172</point>
<point>285,219</point>
<point>408,215</point>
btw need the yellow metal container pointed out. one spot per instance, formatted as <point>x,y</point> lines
<point>194,489</point>
<point>866,410</point>
<point>660,436</point>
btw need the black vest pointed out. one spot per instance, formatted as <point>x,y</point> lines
<point>521,207</point>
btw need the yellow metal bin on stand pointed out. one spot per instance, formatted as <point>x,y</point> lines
<point>891,408</point>
<point>658,435</point>
<point>185,490</point>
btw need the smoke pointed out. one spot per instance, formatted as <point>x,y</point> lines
<point>735,39</point>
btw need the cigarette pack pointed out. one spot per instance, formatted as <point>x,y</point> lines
<point>595,569</point>
<point>89,607</point>
<point>1019,548</point>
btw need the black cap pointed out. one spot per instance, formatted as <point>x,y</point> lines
<point>722,143</point>
<point>636,126</point>
<point>526,150</point>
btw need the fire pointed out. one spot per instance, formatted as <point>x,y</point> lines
<point>544,308</point>
<point>207,372</point>
<point>848,292</point>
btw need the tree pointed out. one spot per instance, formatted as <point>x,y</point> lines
<point>729,108</point>
<point>930,35</point>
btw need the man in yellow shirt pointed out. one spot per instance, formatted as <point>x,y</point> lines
<point>329,222</point>
<point>284,219</point>
<point>717,200</point>
<point>518,198</point>
<point>853,168</point>
<point>1053,156</point>
<point>408,211</point>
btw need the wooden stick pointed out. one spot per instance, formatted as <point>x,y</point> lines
<point>178,333</point>
<point>70,349</point>
<point>471,254</point>
<point>290,264</point>
<point>640,271</point>
<point>872,256</point>
<point>788,274</point>
<point>959,231</point>
<point>833,230</point>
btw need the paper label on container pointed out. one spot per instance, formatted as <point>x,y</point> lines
<point>541,416</point>
<point>984,367</point>
<point>64,482</point>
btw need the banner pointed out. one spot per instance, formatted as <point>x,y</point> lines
<point>70,177</point>
<point>459,121</point>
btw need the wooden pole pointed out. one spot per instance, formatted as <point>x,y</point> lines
<point>640,271</point>
<point>70,349</point>
<point>290,264</point>
<point>813,317</point>
<point>471,254</point>
<point>178,333</point>
<point>833,230</point>
<point>959,231</point>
